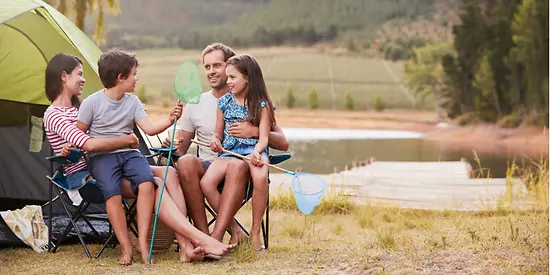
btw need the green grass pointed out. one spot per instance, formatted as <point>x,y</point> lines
<point>299,69</point>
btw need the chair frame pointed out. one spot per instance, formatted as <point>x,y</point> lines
<point>79,212</point>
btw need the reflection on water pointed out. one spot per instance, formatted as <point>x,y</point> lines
<point>322,156</point>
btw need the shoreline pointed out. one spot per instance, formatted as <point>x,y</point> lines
<point>523,141</point>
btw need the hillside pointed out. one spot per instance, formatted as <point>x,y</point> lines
<point>194,23</point>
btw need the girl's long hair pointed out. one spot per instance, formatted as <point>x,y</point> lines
<point>257,90</point>
<point>58,64</point>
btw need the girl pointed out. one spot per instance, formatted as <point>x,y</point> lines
<point>248,99</point>
<point>64,81</point>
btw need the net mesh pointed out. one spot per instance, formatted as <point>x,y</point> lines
<point>187,84</point>
<point>308,190</point>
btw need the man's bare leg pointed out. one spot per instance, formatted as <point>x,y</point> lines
<point>230,201</point>
<point>190,171</point>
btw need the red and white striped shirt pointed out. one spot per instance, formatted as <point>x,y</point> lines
<point>60,126</point>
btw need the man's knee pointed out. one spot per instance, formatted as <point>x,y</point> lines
<point>188,166</point>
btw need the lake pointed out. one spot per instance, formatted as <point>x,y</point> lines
<point>321,150</point>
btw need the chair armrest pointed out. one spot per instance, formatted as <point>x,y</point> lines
<point>73,157</point>
<point>278,158</point>
<point>163,152</point>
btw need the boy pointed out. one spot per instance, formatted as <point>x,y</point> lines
<point>112,112</point>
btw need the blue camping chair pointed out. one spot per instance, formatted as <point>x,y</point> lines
<point>90,194</point>
<point>273,159</point>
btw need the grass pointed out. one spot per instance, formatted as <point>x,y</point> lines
<point>296,68</point>
<point>345,237</point>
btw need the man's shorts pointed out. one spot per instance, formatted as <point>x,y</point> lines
<point>109,169</point>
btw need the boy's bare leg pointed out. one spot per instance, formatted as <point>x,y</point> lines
<point>117,218</point>
<point>190,172</point>
<point>188,252</point>
<point>259,201</point>
<point>230,200</point>
<point>144,208</point>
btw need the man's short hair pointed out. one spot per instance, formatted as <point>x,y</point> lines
<point>113,63</point>
<point>227,51</point>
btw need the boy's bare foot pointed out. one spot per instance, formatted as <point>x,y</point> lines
<point>125,256</point>
<point>237,236</point>
<point>190,254</point>
<point>214,247</point>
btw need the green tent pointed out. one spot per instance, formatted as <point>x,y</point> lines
<point>31,33</point>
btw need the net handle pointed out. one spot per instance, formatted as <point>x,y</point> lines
<point>246,158</point>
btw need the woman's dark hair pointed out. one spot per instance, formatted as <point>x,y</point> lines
<point>257,91</point>
<point>58,64</point>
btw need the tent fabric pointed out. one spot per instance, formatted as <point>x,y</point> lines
<point>31,33</point>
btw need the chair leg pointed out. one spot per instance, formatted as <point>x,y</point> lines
<point>71,226</point>
<point>266,234</point>
<point>50,217</point>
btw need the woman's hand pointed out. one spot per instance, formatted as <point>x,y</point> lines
<point>215,145</point>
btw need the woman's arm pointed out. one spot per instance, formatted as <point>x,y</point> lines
<point>102,144</point>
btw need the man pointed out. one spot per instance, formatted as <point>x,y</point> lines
<point>200,120</point>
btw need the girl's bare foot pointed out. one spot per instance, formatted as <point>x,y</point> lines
<point>237,236</point>
<point>256,240</point>
<point>214,247</point>
<point>125,255</point>
<point>190,254</point>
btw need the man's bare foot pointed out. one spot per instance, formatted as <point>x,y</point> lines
<point>190,254</point>
<point>237,236</point>
<point>214,247</point>
<point>140,248</point>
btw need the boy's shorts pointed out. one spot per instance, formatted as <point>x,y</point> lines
<point>109,169</point>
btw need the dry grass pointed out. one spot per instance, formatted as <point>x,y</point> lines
<point>344,237</point>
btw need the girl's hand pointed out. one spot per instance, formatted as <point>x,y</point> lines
<point>215,145</point>
<point>66,150</point>
<point>256,159</point>
<point>178,110</point>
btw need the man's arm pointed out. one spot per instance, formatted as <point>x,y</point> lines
<point>245,129</point>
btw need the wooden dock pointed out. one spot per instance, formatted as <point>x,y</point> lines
<point>422,185</point>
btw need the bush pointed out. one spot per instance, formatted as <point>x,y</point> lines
<point>467,118</point>
<point>290,99</point>
<point>348,101</point>
<point>378,104</point>
<point>142,94</point>
<point>510,121</point>
<point>313,99</point>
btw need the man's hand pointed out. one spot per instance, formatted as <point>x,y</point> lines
<point>243,129</point>
<point>256,159</point>
<point>166,142</point>
<point>66,150</point>
<point>178,110</point>
<point>132,140</point>
<point>215,145</point>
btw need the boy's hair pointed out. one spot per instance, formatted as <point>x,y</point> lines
<point>227,51</point>
<point>257,90</point>
<point>56,66</point>
<point>114,63</point>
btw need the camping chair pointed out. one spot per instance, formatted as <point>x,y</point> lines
<point>273,159</point>
<point>90,194</point>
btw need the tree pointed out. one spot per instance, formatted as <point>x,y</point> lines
<point>77,10</point>
<point>313,99</point>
